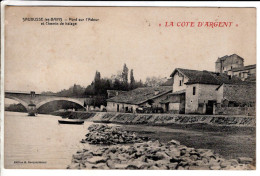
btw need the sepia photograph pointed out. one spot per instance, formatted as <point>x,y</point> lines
<point>129,88</point>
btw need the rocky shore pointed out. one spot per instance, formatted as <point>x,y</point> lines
<point>119,149</point>
<point>104,134</point>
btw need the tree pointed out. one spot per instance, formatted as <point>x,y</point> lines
<point>97,83</point>
<point>75,90</point>
<point>125,77</point>
<point>132,80</point>
<point>154,81</point>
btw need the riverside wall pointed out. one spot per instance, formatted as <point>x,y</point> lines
<point>160,119</point>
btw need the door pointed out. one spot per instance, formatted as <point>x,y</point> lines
<point>209,108</point>
<point>117,109</point>
<point>167,107</point>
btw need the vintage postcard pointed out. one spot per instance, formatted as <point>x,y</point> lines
<point>149,88</point>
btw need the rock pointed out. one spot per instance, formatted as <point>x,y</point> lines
<point>135,165</point>
<point>100,166</point>
<point>175,159</point>
<point>110,164</point>
<point>180,168</point>
<point>215,167</point>
<point>154,168</point>
<point>205,167</point>
<point>173,152</point>
<point>173,165</point>
<point>146,154</point>
<point>96,160</point>
<point>120,166</point>
<point>104,134</point>
<point>77,156</point>
<point>224,164</point>
<point>194,157</point>
<point>174,142</point>
<point>245,160</point>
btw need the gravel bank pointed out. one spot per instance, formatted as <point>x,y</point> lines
<point>122,153</point>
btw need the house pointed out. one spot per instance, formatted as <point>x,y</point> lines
<point>226,63</point>
<point>245,72</point>
<point>234,65</point>
<point>236,99</point>
<point>194,91</point>
<point>140,97</point>
<point>233,95</point>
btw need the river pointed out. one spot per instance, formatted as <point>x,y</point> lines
<point>42,142</point>
<point>40,139</point>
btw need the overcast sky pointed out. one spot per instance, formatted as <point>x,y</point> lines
<point>51,58</point>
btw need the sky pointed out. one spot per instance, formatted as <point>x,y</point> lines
<point>51,58</point>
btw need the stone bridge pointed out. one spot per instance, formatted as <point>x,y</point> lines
<point>26,98</point>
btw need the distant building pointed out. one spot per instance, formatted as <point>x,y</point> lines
<point>194,91</point>
<point>246,72</point>
<point>113,93</point>
<point>234,65</point>
<point>227,63</point>
<point>140,97</point>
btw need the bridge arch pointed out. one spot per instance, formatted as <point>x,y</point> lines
<point>60,99</point>
<point>19,100</point>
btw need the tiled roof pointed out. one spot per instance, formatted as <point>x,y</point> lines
<point>141,95</point>
<point>178,92</point>
<point>206,77</point>
<point>244,68</point>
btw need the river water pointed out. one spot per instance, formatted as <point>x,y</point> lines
<point>40,141</point>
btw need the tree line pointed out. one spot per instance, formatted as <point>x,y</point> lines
<point>97,90</point>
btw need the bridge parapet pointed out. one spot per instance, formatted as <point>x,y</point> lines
<point>26,98</point>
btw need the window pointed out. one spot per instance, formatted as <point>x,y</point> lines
<point>180,82</point>
<point>194,90</point>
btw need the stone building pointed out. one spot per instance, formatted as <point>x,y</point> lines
<point>245,73</point>
<point>140,97</point>
<point>234,65</point>
<point>195,91</point>
<point>236,99</point>
<point>236,94</point>
<point>226,63</point>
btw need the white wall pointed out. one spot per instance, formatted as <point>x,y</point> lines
<point>220,94</point>
<point>176,82</point>
<point>204,92</point>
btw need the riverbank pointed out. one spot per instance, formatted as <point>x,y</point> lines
<point>230,140</point>
<point>146,153</point>
<point>160,119</point>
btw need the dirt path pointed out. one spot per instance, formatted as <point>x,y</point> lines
<point>229,142</point>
